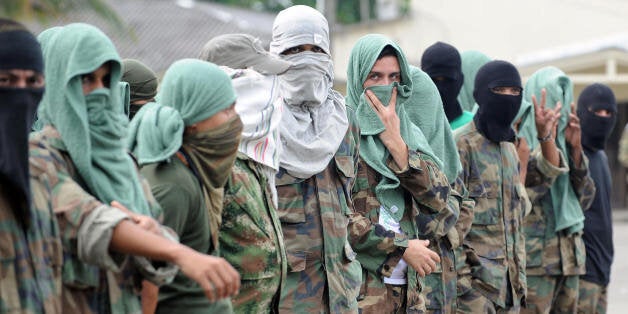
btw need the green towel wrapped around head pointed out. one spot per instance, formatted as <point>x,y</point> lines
<point>363,56</point>
<point>155,133</point>
<point>425,110</point>
<point>180,90</point>
<point>564,201</point>
<point>472,61</point>
<point>92,126</point>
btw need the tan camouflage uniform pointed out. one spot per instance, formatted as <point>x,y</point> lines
<point>323,273</point>
<point>85,228</point>
<point>251,239</point>
<point>426,216</point>
<point>555,260</point>
<point>495,245</point>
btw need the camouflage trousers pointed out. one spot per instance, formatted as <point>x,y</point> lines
<point>555,294</point>
<point>392,301</point>
<point>472,301</point>
<point>592,298</point>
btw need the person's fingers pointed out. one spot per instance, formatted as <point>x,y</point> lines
<point>573,107</point>
<point>393,99</point>
<point>536,105</point>
<point>374,101</point>
<point>218,283</point>
<point>543,98</point>
<point>208,288</point>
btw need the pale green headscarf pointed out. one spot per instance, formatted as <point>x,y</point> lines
<point>564,201</point>
<point>425,110</point>
<point>363,56</point>
<point>472,61</point>
<point>155,133</point>
<point>93,137</point>
<point>44,38</point>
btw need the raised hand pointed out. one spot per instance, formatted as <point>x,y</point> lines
<point>546,119</point>
<point>391,136</point>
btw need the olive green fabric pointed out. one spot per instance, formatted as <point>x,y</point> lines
<point>564,201</point>
<point>363,56</point>
<point>142,80</point>
<point>93,126</point>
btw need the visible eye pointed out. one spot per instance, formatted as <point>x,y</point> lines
<point>87,79</point>
<point>35,81</point>
<point>395,77</point>
<point>106,80</point>
<point>4,80</point>
<point>373,76</point>
<point>293,50</point>
<point>317,49</point>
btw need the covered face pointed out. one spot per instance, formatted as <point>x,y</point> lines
<point>597,110</point>
<point>497,110</point>
<point>442,63</point>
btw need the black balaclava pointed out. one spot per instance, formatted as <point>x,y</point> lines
<point>496,112</point>
<point>595,129</point>
<point>19,49</point>
<point>443,60</point>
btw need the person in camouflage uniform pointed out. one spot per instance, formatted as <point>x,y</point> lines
<point>250,235</point>
<point>317,167</point>
<point>495,245</point>
<point>81,65</point>
<point>401,192</point>
<point>30,246</point>
<point>553,230</point>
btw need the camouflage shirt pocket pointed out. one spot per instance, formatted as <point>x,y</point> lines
<point>296,261</point>
<point>291,207</point>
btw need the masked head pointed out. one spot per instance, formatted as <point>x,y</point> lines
<point>442,63</point>
<point>498,93</point>
<point>21,89</point>
<point>301,36</point>
<point>597,110</point>
<point>142,83</point>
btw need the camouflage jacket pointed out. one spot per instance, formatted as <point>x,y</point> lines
<point>251,239</point>
<point>30,258</point>
<point>496,242</point>
<point>548,252</point>
<point>314,215</point>
<point>441,287</point>
<point>93,279</point>
<point>428,215</point>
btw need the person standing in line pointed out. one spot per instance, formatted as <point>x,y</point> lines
<point>400,191</point>
<point>441,61</point>
<point>142,83</point>
<point>250,235</point>
<point>186,145</point>
<point>597,111</point>
<point>553,231</point>
<point>317,165</point>
<point>495,244</point>
<point>79,166</point>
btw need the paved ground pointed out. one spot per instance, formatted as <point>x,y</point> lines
<point>618,288</point>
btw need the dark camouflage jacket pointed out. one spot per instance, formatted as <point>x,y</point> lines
<point>548,252</point>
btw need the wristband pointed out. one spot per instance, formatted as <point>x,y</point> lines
<point>545,138</point>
